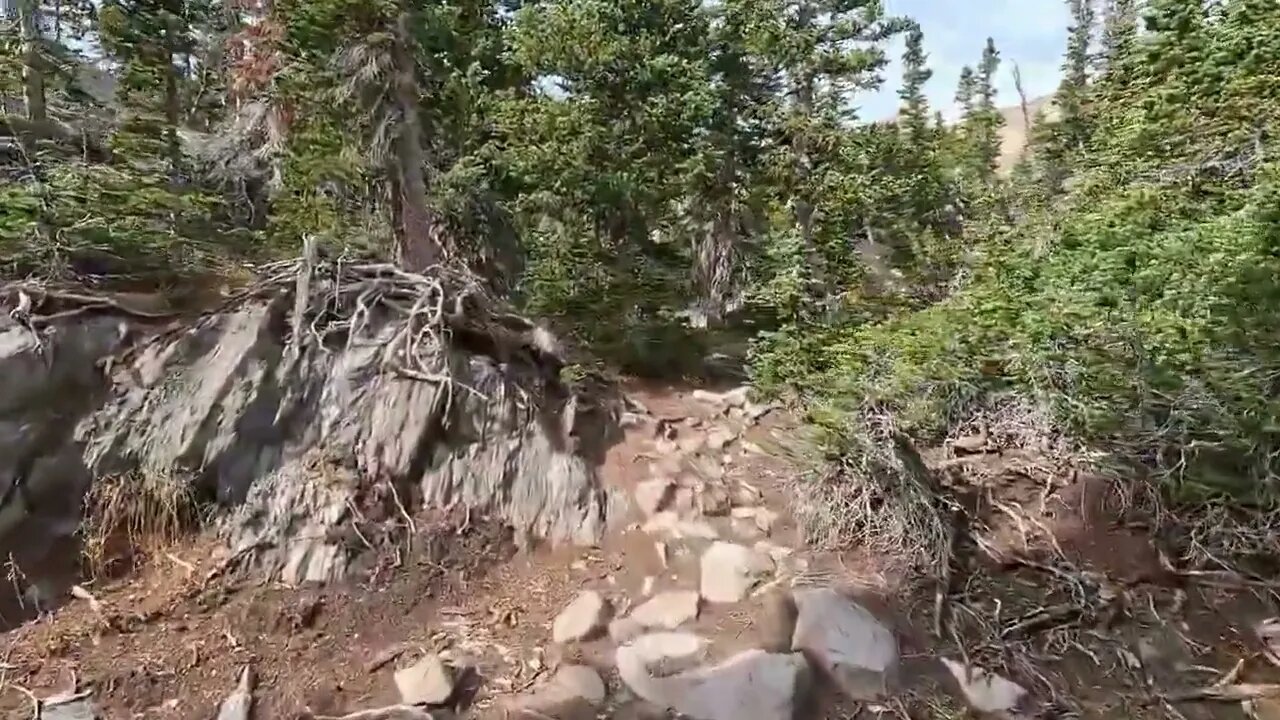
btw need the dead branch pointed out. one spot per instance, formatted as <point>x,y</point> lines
<point>29,131</point>
<point>83,302</point>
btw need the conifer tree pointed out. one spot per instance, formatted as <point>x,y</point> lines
<point>966,91</point>
<point>981,121</point>
<point>915,108</point>
<point>1073,124</point>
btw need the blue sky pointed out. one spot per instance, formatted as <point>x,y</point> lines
<point>1032,33</point>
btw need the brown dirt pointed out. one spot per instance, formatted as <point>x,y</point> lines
<point>170,645</point>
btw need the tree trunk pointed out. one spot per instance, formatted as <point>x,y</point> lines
<point>172,103</point>
<point>418,232</point>
<point>32,70</point>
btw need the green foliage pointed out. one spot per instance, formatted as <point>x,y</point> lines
<point>1134,301</point>
<point>660,178</point>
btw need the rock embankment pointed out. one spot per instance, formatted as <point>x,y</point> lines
<point>328,395</point>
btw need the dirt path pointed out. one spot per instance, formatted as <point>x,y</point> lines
<point>171,641</point>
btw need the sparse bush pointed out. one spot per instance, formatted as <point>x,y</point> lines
<point>134,516</point>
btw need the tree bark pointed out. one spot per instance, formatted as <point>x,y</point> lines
<point>32,70</point>
<point>418,231</point>
<point>172,103</point>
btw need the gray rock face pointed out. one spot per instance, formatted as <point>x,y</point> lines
<point>844,640</point>
<point>287,430</point>
<point>48,382</point>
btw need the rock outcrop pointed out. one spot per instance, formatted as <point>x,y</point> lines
<point>328,391</point>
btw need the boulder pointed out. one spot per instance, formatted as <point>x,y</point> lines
<point>585,616</point>
<point>845,641</point>
<point>730,571</point>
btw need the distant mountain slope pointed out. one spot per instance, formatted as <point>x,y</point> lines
<point>1013,136</point>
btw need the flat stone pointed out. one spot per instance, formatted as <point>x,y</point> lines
<point>754,685</point>
<point>670,524</point>
<point>777,552</point>
<point>427,682</point>
<point>80,709</point>
<point>729,571</point>
<point>668,610</point>
<point>653,496</point>
<point>624,630</point>
<point>845,641</point>
<point>658,655</point>
<point>582,618</point>
<point>573,693</point>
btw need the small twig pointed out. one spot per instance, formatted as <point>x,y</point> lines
<point>356,525</point>
<point>413,530</point>
<point>179,561</point>
<point>36,705</point>
<point>385,657</point>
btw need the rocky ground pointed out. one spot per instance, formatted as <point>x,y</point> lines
<point>706,605</point>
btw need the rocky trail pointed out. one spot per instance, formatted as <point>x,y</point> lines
<point>394,546</point>
<point>703,604</point>
<point>699,578</point>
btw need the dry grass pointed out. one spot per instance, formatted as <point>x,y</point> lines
<point>130,517</point>
<point>879,497</point>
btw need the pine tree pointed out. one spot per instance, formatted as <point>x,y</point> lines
<point>983,120</point>
<point>915,107</point>
<point>966,91</point>
<point>1119,30</point>
<point>151,39</point>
